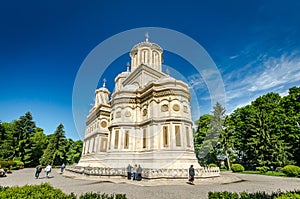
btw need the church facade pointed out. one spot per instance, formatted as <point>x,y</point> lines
<point>146,120</point>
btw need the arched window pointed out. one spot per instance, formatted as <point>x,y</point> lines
<point>177,136</point>
<point>116,139</point>
<point>165,136</point>
<point>126,140</point>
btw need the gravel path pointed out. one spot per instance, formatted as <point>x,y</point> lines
<point>68,182</point>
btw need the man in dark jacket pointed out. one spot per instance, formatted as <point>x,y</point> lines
<point>38,171</point>
<point>191,175</point>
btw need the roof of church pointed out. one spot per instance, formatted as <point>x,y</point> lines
<point>146,44</point>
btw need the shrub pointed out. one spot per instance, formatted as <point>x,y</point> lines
<point>223,195</point>
<point>34,192</point>
<point>7,163</point>
<point>212,165</point>
<point>278,169</point>
<point>263,169</point>
<point>237,168</point>
<point>256,195</point>
<point>291,170</point>
<point>102,196</point>
<point>289,196</point>
<point>19,163</point>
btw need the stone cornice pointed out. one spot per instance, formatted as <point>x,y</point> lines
<point>150,121</point>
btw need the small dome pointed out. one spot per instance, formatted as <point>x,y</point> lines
<point>145,44</point>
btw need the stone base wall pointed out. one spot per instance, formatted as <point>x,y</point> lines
<point>203,172</point>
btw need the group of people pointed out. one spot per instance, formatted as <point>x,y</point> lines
<point>135,172</point>
<point>47,170</point>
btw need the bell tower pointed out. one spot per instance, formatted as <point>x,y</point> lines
<point>147,53</point>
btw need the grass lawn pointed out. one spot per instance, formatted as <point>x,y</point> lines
<point>269,173</point>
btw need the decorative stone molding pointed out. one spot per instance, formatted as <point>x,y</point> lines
<point>127,114</point>
<point>185,109</point>
<point>103,124</point>
<point>164,108</point>
<point>176,107</point>
<point>118,114</point>
<point>203,172</point>
<point>145,112</point>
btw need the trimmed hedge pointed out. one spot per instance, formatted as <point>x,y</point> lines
<point>257,195</point>
<point>7,163</point>
<point>289,196</point>
<point>291,170</point>
<point>212,165</point>
<point>47,191</point>
<point>102,196</point>
<point>34,192</point>
<point>11,164</point>
<point>237,168</point>
<point>263,169</point>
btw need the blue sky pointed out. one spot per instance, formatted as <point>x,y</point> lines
<point>254,44</point>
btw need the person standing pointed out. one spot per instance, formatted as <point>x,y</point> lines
<point>38,171</point>
<point>139,173</point>
<point>63,166</point>
<point>134,172</point>
<point>191,174</point>
<point>129,169</point>
<point>48,170</point>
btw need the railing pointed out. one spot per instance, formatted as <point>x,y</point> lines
<point>203,172</point>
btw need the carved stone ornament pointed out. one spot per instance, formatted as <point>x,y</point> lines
<point>185,109</point>
<point>118,114</point>
<point>127,114</point>
<point>176,107</point>
<point>103,124</point>
<point>145,111</point>
<point>164,108</point>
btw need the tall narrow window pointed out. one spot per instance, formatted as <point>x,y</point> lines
<point>188,144</point>
<point>126,140</point>
<point>144,139</point>
<point>144,56</point>
<point>165,136</point>
<point>177,136</point>
<point>116,139</point>
<point>110,135</point>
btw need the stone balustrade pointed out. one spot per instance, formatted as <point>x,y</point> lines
<point>203,172</point>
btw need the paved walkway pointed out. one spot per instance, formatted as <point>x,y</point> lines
<point>68,182</point>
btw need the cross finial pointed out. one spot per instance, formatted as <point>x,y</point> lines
<point>168,71</point>
<point>128,65</point>
<point>104,81</point>
<point>147,36</point>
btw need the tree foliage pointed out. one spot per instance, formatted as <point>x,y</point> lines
<point>263,133</point>
<point>22,140</point>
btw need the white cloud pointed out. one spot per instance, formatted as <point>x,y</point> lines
<point>278,71</point>
<point>265,74</point>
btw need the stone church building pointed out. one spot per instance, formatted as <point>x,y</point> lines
<point>146,120</point>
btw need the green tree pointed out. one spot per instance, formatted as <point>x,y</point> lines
<point>55,153</point>
<point>207,134</point>
<point>23,129</point>
<point>39,144</point>
<point>74,151</point>
<point>6,141</point>
<point>200,133</point>
<point>291,106</point>
<point>257,133</point>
